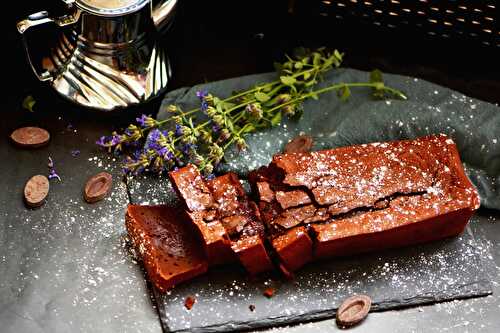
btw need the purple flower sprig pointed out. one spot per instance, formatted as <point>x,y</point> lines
<point>204,134</point>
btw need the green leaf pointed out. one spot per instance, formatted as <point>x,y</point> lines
<point>219,107</point>
<point>28,103</point>
<point>287,80</point>
<point>338,55</point>
<point>344,93</point>
<point>228,105</point>
<point>249,128</point>
<point>298,65</point>
<point>268,88</point>
<point>314,96</point>
<point>307,75</point>
<point>261,97</point>
<point>316,58</point>
<point>376,76</point>
<point>276,120</point>
<point>310,83</point>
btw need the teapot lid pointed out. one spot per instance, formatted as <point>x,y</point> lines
<point>111,7</point>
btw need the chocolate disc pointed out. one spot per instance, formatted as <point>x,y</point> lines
<point>353,310</point>
<point>36,190</point>
<point>97,187</point>
<point>299,144</point>
<point>30,137</point>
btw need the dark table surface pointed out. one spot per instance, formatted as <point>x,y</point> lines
<point>48,278</point>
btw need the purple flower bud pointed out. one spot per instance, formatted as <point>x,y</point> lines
<point>188,147</point>
<point>75,153</point>
<point>116,139</point>
<point>142,120</point>
<point>201,94</point>
<point>204,106</point>
<point>103,140</point>
<point>53,174</point>
<point>178,130</point>
<point>168,156</point>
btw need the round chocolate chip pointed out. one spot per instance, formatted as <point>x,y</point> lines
<point>36,190</point>
<point>30,137</point>
<point>299,144</point>
<point>353,310</point>
<point>97,187</point>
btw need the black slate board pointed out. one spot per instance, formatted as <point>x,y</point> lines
<point>425,274</point>
<point>429,273</point>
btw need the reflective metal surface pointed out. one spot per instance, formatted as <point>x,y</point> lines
<point>110,57</point>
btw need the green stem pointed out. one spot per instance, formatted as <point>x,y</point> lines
<point>336,87</point>
<point>230,98</point>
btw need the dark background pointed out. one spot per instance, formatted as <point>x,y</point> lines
<point>212,40</point>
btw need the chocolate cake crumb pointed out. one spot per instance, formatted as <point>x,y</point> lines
<point>251,307</point>
<point>189,302</point>
<point>269,292</point>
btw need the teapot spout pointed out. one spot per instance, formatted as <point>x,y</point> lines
<point>163,13</point>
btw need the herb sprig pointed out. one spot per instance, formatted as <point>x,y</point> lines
<point>204,134</point>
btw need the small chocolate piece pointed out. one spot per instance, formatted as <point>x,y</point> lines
<point>292,198</point>
<point>191,187</point>
<point>269,292</point>
<point>251,307</point>
<point>30,137</point>
<point>234,224</point>
<point>265,192</point>
<point>97,187</point>
<point>299,144</point>
<point>353,310</point>
<point>189,302</point>
<point>36,190</point>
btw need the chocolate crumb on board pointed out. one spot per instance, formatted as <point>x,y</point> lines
<point>353,310</point>
<point>269,292</point>
<point>299,144</point>
<point>251,307</point>
<point>189,302</point>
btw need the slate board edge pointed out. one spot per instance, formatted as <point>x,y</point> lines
<point>481,288</point>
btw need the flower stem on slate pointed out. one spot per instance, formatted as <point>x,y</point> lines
<point>203,135</point>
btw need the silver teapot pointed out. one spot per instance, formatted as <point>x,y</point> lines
<point>108,55</point>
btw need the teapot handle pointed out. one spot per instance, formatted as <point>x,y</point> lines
<point>163,11</point>
<point>40,18</point>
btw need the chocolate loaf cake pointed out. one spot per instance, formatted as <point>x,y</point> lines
<point>222,202</point>
<point>311,206</point>
<point>363,198</point>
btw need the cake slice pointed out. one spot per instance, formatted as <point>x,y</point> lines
<point>241,219</point>
<point>168,244</point>
<point>363,198</point>
<point>229,222</point>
